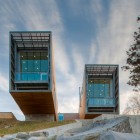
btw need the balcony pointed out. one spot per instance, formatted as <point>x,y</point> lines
<point>31,77</point>
<point>101,102</point>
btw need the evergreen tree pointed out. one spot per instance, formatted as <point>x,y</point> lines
<point>133,61</point>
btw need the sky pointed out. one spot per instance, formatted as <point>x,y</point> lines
<point>83,32</point>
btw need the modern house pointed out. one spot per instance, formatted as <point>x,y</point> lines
<point>32,75</point>
<point>100,91</point>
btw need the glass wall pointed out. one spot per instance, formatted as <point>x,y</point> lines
<point>33,66</point>
<point>100,92</point>
<point>99,87</point>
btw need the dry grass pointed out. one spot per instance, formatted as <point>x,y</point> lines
<point>12,126</point>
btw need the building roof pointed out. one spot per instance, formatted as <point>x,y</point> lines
<point>100,69</point>
<point>31,39</point>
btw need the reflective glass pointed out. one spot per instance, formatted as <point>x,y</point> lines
<point>37,66</point>
<point>30,76</point>
<point>33,65</point>
<point>24,76</point>
<point>99,93</point>
<point>30,66</point>
<point>37,77</point>
<point>99,87</point>
<point>44,65</point>
<point>99,102</point>
<point>24,65</point>
<point>43,76</point>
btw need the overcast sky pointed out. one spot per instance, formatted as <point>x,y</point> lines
<point>83,31</point>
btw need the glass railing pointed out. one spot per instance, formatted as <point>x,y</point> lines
<point>31,76</point>
<point>101,102</point>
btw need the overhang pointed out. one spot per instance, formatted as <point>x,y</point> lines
<point>31,39</point>
<point>101,69</point>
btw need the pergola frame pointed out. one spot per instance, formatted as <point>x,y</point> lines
<point>31,40</point>
<point>100,69</point>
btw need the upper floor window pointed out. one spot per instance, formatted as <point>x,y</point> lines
<point>33,62</point>
<point>99,88</point>
<point>33,66</point>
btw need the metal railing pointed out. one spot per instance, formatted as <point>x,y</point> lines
<point>101,102</point>
<point>31,76</point>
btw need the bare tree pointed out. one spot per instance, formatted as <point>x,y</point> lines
<point>133,105</point>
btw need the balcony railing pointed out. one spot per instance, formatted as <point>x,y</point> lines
<point>31,76</point>
<point>101,102</point>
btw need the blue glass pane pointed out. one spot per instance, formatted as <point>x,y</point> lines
<point>30,65</point>
<point>30,76</point>
<point>90,89</point>
<point>44,77</point>
<point>24,76</point>
<point>24,65</point>
<point>96,90</point>
<point>18,76</point>
<point>90,102</point>
<point>36,65</point>
<point>37,76</point>
<point>99,102</point>
<point>106,90</point>
<point>99,88</point>
<point>44,65</point>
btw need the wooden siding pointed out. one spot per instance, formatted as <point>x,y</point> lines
<point>34,102</point>
<point>82,107</point>
<point>53,80</point>
<point>7,115</point>
<point>91,116</point>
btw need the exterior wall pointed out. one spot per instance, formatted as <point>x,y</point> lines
<point>53,79</point>
<point>68,116</point>
<point>7,115</point>
<point>82,100</point>
<point>71,116</point>
<point>40,117</point>
<point>82,108</point>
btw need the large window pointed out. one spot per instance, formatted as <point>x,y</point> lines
<point>33,62</point>
<point>99,88</point>
<point>33,66</point>
<point>100,93</point>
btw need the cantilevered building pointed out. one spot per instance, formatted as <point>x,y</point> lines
<point>32,77</point>
<point>100,91</point>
